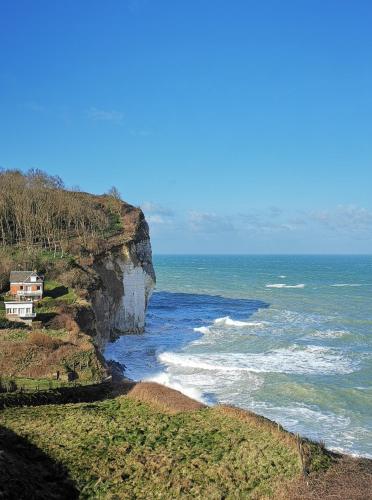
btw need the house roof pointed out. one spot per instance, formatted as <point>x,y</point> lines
<point>24,277</point>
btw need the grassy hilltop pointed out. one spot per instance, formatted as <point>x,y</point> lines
<point>146,441</point>
<point>124,447</point>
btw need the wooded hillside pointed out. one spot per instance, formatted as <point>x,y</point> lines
<point>37,209</point>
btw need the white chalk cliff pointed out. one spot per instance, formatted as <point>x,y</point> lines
<point>126,280</point>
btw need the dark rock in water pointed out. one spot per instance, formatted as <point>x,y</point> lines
<point>116,369</point>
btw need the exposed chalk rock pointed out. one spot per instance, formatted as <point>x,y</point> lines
<point>126,280</point>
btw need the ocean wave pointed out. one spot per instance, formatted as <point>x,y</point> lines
<point>317,424</point>
<point>330,334</point>
<point>310,360</point>
<point>172,382</point>
<point>202,329</point>
<point>292,416</point>
<point>346,284</point>
<point>227,321</point>
<point>201,386</point>
<point>286,317</point>
<point>283,285</point>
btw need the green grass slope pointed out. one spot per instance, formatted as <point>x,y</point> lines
<point>124,448</point>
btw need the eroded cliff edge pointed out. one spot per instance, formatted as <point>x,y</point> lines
<point>126,279</point>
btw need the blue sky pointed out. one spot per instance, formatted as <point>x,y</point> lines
<point>239,127</point>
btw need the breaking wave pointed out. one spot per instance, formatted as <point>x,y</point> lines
<point>346,284</point>
<point>202,329</point>
<point>176,383</point>
<point>310,360</point>
<point>283,285</point>
<point>227,321</point>
<point>330,334</point>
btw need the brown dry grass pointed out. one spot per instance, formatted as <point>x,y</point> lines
<point>42,340</point>
<point>33,360</point>
<point>348,479</point>
<point>253,418</point>
<point>64,321</point>
<point>41,355</point>
<point>161,397</point>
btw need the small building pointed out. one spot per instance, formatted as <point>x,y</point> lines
<point>26,285</point>
<point>20,310</point>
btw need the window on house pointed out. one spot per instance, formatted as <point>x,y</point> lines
<point>38,287</point>
<point>21,287</point>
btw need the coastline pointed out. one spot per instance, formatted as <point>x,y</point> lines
<point>299,356</point>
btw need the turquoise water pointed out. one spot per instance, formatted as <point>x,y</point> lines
<point>289,337</point>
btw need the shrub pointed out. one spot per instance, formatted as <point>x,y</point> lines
<point>11,325</point>
<point>7,385</point>
<point>77,278</point>
<point>42,340</point>
<point>64,321</point>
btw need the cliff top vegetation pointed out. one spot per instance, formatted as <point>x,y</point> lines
<point>36,209</point>
<point>48,227</point>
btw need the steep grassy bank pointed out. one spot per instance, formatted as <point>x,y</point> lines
<point>141,441</point>
<point>124,448</point>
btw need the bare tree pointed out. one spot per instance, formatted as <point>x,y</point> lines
<point>37,210</point>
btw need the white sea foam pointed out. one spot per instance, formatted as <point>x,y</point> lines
<point>308,360</point>
<point>283,285</point>
<point>335,428</point>
<point>330,334</point>
<point>282,276</point>
<point>291,416</point>
<point>202,329</point>
<point>346,284</point>
<point>227,321</point>
<point>298,319</point>
<point>173,382</point>
<point>202,385</point>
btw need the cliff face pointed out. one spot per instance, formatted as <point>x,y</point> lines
<point>126,279</point>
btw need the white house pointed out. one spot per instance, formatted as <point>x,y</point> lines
<point>20,310</point>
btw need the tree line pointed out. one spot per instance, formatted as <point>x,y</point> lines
<point>37,209</point>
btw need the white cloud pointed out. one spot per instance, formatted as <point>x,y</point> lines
<point>157,219</point>
<point>209,222</point>
<point>154,208</point>
<point>105,115</point>
<point>345,218</point>
<point>157,214</point>
<point>349,220</point>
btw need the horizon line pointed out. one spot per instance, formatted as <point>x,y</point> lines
<point>265,254</point>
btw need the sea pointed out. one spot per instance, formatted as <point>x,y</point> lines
<point>288,337</point>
